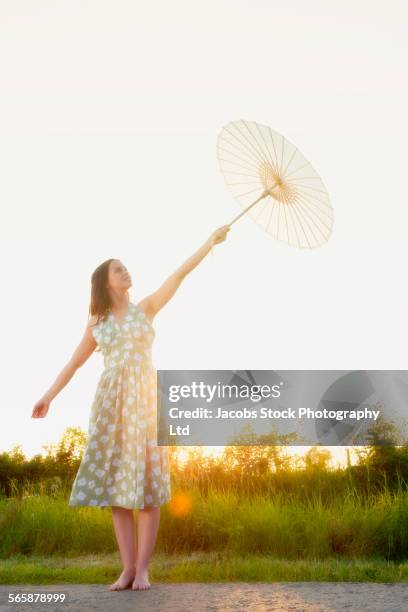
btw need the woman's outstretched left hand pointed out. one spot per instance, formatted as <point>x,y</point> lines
<point>219,235</point>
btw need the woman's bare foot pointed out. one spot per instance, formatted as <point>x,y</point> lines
<point>141,581</point>
<point>124,581</point>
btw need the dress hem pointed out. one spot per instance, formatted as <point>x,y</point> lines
<point>127,507</point>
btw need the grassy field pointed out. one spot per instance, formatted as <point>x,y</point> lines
<point>351,527</point>
<point>199,567</point>
<point>230,519</point>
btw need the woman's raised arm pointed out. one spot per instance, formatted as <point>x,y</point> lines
<point>154,302</point>
<point>83,351</point>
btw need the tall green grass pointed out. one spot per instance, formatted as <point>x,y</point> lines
<point>280,525</point>
<point>251,501</point>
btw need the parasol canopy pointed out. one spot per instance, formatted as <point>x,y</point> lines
<point>291,202</point>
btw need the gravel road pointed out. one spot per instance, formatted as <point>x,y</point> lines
<point>255,596</point>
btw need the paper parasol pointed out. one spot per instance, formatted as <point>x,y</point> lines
<point>257,161</point>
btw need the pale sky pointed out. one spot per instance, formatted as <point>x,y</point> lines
<point>109,116</point>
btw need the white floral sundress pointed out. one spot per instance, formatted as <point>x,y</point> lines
<point>122,464</point>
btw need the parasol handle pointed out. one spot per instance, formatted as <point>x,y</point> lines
<point>263,195</point>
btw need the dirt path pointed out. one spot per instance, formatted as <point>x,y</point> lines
<point>278,596</point>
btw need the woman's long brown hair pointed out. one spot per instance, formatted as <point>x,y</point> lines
<point>100,298</point>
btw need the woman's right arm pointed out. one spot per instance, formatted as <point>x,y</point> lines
<point>83,351</point>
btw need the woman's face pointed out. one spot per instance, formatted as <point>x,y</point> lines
<point>119,278</point>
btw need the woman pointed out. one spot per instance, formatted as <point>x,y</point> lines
<point>122,466</point>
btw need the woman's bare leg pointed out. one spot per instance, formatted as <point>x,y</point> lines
<point>124,524</point>
<point>147,527</point>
